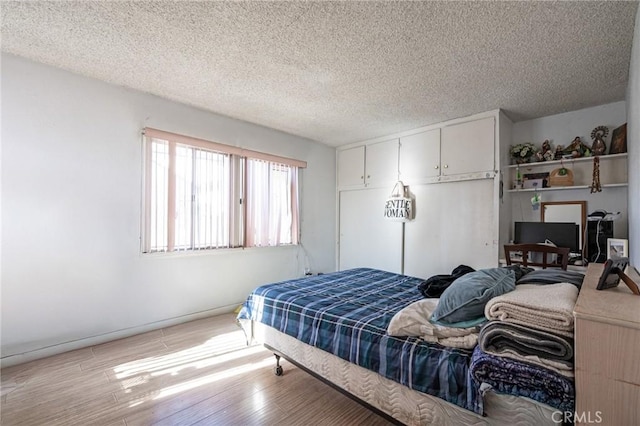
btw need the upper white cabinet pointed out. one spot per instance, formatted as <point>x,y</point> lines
<point>420,156</point>
<point>351,167</point>
<point>381,165</point>
<point>371,165</point>
<point>456,152</point>
<point>468,147</point>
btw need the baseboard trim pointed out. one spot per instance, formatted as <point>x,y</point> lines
<point>20,358</point>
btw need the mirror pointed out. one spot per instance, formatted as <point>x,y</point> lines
<point>566,211</point>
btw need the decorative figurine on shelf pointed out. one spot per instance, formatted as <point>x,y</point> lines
<point>545,154</point>
<point>577,148</point>
<point>598,134</point>
<point>559,151</point>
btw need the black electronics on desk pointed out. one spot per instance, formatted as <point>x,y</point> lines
<point>562,234</point>
<point>597,233</point>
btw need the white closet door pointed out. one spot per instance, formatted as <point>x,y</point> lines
<point>366,238</point>
<point>454,225</point>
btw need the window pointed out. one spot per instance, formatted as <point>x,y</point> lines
<point>202,195</point>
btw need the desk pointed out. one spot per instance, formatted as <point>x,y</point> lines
<point>607,352</point>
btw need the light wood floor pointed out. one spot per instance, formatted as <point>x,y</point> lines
<point>197,373</point>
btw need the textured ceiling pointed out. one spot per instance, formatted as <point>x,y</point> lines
<point>340,72</point>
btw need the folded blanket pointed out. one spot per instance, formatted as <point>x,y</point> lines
<point>526,344</point>
<point>413,320</point>
<point>463,342</point>
<point>551,276</point>
<point>547,308</point>
<point>518,378</point>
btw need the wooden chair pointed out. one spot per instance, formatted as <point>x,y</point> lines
<point>562,253</point>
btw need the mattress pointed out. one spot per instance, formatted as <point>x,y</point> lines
<point>407,406</point>
<point>347,313</point>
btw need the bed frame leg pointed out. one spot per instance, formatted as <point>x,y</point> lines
<point>278,368</point>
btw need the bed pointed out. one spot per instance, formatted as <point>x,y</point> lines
<point>335,327</point>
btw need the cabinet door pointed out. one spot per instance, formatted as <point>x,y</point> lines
<point>366,238</point>
<point>382,163</point>
<point>420,156</point>
<point>468,147</point>
<point>351,167</point>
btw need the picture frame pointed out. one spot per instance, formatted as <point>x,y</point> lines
<point>619,140</point>
<point>617,247</point>
<point>613,272</point>
<point>610,277</point>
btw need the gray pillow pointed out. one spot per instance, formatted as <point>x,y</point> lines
<point>465,298</point>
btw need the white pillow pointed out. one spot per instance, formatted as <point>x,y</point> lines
<point>414,320</point>
<point>408,320</point>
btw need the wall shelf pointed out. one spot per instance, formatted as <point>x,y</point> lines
<point>613,172</point>
<point>561,188</point>
<point>566,161</point>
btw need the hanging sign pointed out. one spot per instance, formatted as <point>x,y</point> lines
<point>398,207</point>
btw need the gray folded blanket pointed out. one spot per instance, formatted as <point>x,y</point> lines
<point>526,344</point>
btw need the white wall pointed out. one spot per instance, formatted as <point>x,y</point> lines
<point>561,129</point>
<point>633,144</point>
<point>72,272</point>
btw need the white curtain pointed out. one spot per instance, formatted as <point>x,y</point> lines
<point>272,203</point>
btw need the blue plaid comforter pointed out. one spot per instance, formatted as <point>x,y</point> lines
<point>347,313</point>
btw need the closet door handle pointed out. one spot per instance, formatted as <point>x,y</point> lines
<point>446,166</point>
<point>436,166</point>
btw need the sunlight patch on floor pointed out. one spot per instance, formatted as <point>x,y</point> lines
<point>191,384</point>
<point>200,381</point>
<point>207,362</point>
<point>226,349</point>
<point>197,356</point>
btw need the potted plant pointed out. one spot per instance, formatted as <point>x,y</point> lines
<point>523,152</point>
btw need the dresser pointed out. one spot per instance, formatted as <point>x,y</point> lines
<point>607,353</point>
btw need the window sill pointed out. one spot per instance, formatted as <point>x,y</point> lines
<point>214,252</point>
